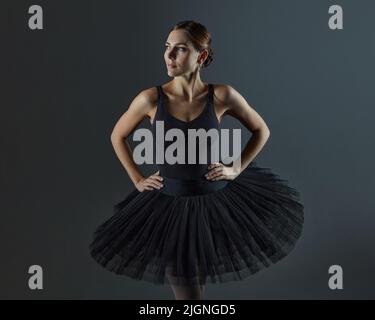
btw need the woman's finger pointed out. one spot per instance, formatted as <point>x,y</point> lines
<point>157,181</point>
<point>159,178</point>
<point>215,174</point>
<point>153,184</point>
<point>219,177</point>
<point>214,171</point>
<point>213,165</point>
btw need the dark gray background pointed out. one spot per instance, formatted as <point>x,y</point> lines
<point>63,89</point>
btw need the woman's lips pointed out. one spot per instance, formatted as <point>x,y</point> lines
<point>171,66</point>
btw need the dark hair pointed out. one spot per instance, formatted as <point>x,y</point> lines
<point>199,36</point>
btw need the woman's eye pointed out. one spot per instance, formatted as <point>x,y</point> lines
<point>180,48</point>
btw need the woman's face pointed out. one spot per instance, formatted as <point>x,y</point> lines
<point>180,56</point>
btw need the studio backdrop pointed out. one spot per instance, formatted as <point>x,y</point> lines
<point>71,69</point>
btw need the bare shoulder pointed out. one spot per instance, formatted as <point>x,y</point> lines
<point>231,102</point>
<point>147,98</point>
<point>225,93</point>
<point>143,105</point>
<point>145,102</point>
<point>230,98</point>
<point>222,98</point>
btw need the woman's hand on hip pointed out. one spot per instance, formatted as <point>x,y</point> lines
<point>218,171</point>
<point>152,182</point>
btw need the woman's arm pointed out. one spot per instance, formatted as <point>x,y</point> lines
<point>142,106</point>
<point>237,106</point>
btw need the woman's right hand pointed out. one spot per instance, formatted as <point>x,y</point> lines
<point>150,183</point>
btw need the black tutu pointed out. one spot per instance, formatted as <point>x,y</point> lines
<point>226,235</point>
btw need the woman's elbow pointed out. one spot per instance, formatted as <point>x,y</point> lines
<point>115,137</point>
<point>263,131</point>
<point>267,132</point>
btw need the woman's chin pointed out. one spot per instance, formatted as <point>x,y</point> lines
<point>172,72</point>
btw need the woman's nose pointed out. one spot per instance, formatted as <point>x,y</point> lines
<point>171,54</point>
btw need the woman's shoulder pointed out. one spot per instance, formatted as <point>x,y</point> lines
<point>149,95</point>
<point>145,102</point>
<point>223,92</point>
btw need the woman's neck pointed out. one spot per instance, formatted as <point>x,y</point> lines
<point>188,87</point>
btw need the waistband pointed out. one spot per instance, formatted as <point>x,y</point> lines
<point>178,187</point>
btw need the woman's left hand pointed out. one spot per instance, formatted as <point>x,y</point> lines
<point>218,171</point>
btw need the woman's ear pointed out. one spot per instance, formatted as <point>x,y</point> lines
<point>203,56</point>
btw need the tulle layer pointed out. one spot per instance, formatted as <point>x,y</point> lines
<point>226,235</point>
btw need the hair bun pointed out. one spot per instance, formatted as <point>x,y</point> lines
<point>209,58</point>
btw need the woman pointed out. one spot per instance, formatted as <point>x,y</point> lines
<point>188,224</point>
